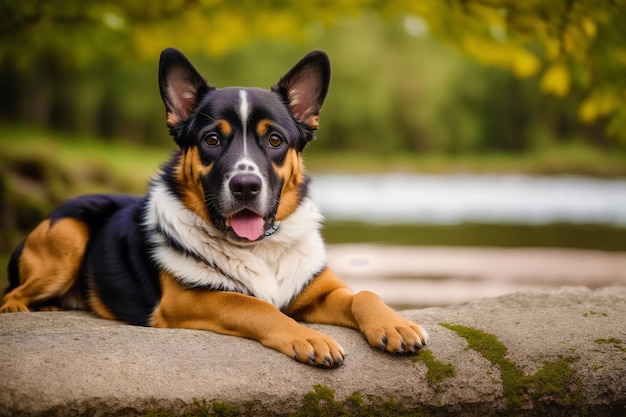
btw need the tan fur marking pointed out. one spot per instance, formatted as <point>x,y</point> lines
<point>188,174</point>
<point>244,316</point>
<point>98,306</point>
<point>181,307</point>
<point>325,300</point>
<point>263,127</point>
<point>225,127</point>
<point>172,119</point>
<point>49,263</point>
<point>292,172</point>
<point>313,121</point>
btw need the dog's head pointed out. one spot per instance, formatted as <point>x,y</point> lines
<point>240,164</point>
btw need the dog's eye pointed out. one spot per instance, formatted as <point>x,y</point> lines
<point>275,140</point>
<point>212,139</point>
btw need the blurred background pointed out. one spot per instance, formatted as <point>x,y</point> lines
<point>467,148</point>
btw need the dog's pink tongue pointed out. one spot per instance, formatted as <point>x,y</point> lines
<point>247,225</point>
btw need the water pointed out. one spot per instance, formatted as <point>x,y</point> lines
<point>454,199</point>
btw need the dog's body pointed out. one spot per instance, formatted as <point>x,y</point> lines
<point>226,238</point>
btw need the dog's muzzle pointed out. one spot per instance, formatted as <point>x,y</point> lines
<point>247,197</point>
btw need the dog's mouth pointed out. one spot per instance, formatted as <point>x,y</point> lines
<point>247,225</point>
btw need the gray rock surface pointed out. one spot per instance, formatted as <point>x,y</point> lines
<point>550,352</point>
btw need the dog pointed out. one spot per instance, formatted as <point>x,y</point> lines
<point>226,239</point>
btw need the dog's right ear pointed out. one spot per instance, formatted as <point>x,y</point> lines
<point>181,86</point>
<point>304,88</point>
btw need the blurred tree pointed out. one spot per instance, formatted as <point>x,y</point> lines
<point>577,48</point>
<point>572,43</point>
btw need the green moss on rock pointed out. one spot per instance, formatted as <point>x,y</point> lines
<point>592,313</point>
<point>201,409</point>
<point>556,383</point>
<point>554,389</point>
<point>437,371</point>
<point>321,402</point>
<point>616,343</point>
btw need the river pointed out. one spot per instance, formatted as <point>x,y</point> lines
<point>443,275</point>
<point>453,199</point>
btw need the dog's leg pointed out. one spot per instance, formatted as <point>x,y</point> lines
<point>48,264</point>
<point>328,300</point>
<point>244,316</point>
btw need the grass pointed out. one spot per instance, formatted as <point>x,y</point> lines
<point>564,159</point>
<point>69,150</point>
<point>579,236</point>
<point>128,166</point>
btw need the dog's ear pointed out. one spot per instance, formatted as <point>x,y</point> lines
<point>181,85</point>
<point>305,86</point>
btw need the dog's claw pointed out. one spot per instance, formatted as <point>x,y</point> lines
<point>404,338</point>
<point>322,352</point>
<point>412,349</point>
<point>14,307</point>
<point>383,343</point>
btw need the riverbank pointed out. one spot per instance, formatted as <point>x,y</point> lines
<point>408,277</point>
<point>416,276</point>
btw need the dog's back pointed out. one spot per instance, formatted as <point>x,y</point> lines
<point>59,243</point>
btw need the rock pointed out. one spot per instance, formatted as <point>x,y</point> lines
<point>549,352</point>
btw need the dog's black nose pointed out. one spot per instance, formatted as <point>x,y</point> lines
<point>245,186</point>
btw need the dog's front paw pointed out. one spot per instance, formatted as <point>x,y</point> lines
<point>398,336</point>
<point>319,351</point>
<point>309,346</point>
<point>384,328</point>
<point>13,307</point>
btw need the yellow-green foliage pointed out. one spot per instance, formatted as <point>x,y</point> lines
<point>569,46</point>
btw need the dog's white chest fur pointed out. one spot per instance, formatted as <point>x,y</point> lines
<point>275,269</point>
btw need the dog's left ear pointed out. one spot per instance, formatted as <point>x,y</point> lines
<point>305,86</point>
<point>181,86</point>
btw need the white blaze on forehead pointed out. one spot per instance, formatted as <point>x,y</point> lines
<point>244,114</point>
